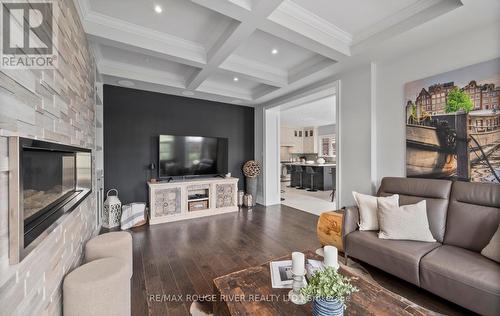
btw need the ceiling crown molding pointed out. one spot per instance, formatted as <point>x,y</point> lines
<point>295,17</point>
<point>123,70</point>
<point>402,21</point>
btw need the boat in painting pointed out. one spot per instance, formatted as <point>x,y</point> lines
<point>427,154</point>
<point>430,150</point>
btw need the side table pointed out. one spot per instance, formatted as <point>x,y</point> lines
<point>329,229</point>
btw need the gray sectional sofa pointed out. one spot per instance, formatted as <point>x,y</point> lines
<point>462,218</point>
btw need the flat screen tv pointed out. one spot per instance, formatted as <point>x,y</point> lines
<point>181,156</point>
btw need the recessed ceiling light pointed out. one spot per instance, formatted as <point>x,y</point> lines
<point>274,51</point>
<point>188,93</point>
<point>158,8</point>
<point>125,83</point>
<point>236,79</point>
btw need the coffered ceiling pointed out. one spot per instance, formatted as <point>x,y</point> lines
<point>240,51</point>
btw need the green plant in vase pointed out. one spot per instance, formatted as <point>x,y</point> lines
<point>329,290</point>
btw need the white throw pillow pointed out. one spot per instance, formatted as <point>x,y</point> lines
<point>368,206</point>
<point>492,249</point>
<point>408,222</point>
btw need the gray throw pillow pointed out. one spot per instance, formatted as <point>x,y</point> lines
<point>408,222</point>
<point>492,249</point>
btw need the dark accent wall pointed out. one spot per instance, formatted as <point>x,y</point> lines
<point>133,119</point>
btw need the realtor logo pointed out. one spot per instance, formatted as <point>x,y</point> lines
<point>27,35</point>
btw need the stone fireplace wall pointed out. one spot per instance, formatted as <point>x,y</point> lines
<point>59,106</point>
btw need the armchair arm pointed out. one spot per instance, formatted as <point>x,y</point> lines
<point>351,220</point>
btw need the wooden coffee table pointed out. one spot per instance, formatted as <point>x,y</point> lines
<point>249,292</point>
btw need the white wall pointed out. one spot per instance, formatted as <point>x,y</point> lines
<point>259,149</point>
<point>455,52</point>
<point>354,125</point>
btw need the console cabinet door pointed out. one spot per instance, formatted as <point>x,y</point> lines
<point>225,195</point>
<point>167,201</point>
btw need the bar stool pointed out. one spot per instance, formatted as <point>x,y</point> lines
<point>333,172</point>
<point>299,170</point>
<point>310,171</point>
<point>289,170</point>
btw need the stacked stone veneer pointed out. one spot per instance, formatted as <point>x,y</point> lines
<point>54,105</point>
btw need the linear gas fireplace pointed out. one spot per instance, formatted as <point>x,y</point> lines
<point>47,180</point>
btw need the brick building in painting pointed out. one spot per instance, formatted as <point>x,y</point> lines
<point>433,100</point>
<point>484,97</point>
<point>485,115</point>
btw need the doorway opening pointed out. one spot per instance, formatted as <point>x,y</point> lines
<point>301,150</point>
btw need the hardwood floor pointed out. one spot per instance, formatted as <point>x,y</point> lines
<point>182,258</point>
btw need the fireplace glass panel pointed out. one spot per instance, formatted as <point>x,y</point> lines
<point>48,176</point>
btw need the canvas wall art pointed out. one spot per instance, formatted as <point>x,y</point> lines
<point>453,124</point>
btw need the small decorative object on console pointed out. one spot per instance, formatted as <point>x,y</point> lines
<point>152,168</point>
<point>112,210</point>
<point>247,200</point>
<point>197,205</point>
<point>241,194</point>
<point>320,160</point>
<point>329,290</point>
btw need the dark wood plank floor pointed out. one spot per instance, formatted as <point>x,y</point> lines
<point>183,258</point>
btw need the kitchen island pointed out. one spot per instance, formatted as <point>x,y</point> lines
<point>323,179</point>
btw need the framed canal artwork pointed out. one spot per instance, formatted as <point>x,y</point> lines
<point>453,124</point>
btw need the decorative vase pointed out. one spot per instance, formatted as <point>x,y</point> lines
<point>251,186</point>
<point>241,194</point>
<point>327,307</point>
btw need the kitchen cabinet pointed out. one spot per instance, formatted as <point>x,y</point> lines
<point>310,142</point>
<point>292,143</point>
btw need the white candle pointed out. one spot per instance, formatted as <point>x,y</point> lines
<point>298,263</point>
<point>330,256</point>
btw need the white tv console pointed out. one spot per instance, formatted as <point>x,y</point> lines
<point>170,201</point>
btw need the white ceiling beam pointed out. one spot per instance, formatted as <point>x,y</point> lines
<point>116,32</point>
<point>294,17</point>
<point>231,39</point>
<point>251,69</point>
<point>227,8</point>
<point>308,68</point>
<point>294,24</point>
<point>222,89</point>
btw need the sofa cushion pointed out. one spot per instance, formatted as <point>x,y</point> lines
<point>473,215</point>
<point>492,249</point>
<point>407,222</point>
<point>412,191</point>
<point>398,257</point>
<point>464,277</point>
